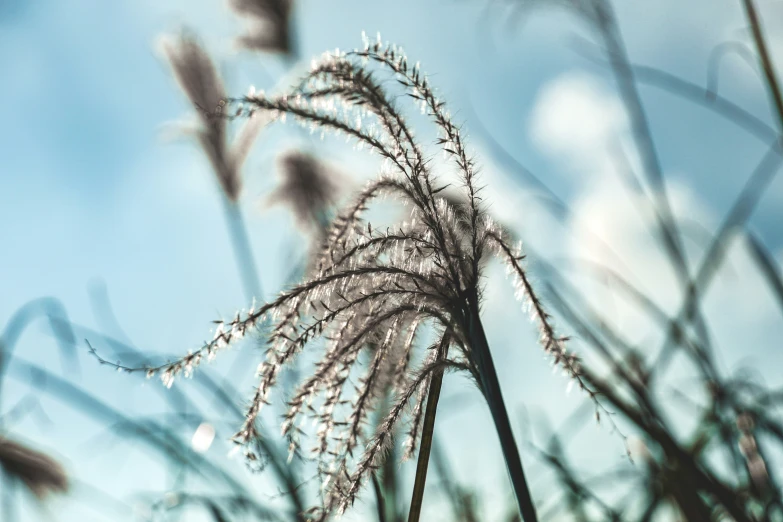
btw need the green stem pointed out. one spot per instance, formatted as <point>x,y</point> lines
<point>491,389</point>
<point>380,502</point>
<point>242,251</point>
<point>426,439</point>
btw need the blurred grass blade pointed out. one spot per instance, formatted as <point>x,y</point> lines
<point>426,437</point>
<point>768,267</point>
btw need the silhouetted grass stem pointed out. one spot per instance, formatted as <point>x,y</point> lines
<point>766,61</point>
<point>425,446</point>
<point>491,389</point>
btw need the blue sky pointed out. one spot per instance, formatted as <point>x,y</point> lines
<point>92,197</point>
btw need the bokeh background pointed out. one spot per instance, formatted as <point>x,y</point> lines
<point>112,225</point>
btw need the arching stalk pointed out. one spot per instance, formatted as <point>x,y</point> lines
<point>491,388</point>
<point>426,439</point>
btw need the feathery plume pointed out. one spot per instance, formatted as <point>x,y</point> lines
<point>40,473</point>
<point>268,22</point>
<point>372,290</point>
<point>197,77</point>
<point>306,188</point>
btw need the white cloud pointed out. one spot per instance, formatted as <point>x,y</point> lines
<point>576,118</point>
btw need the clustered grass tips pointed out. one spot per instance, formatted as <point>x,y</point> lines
<point>307,188</point>
<point>40,473</point>
<point>268,24</point>
<point>373,291</point>
<point>197,76</point>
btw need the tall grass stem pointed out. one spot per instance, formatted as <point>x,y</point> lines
<point>491,388</point>
<point>426,442</point>
<point>243,254</point>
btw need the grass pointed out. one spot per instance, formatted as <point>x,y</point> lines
<point>385,312</point>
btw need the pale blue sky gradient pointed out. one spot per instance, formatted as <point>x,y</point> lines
<point>91,195</point>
